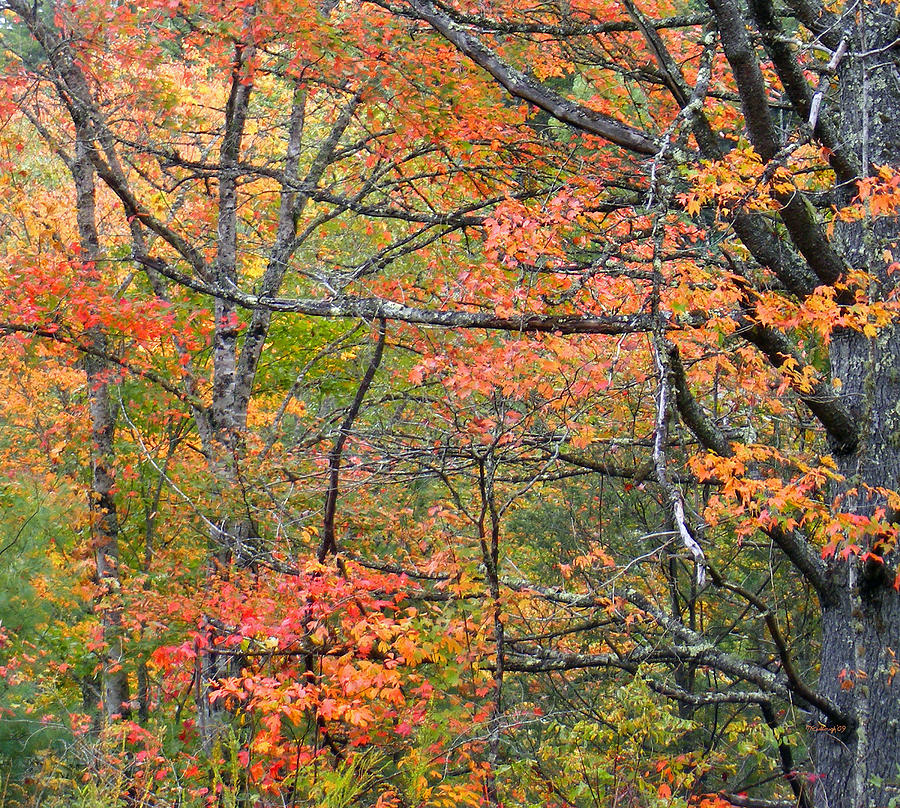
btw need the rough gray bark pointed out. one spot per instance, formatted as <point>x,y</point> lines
<point>104,518</point>
<point>861,623</point>
<point>229,538</point>
<point>225,270</point>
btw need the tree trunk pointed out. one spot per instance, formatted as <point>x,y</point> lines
<point>861,619</point>
<point>105,530</point>
<point>104,518</point>
<point>860,767</point>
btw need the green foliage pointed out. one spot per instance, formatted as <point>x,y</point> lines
<point>43,661</point>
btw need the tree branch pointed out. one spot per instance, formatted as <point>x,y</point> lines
<point>796,213</point>
<point>521,86</point>
<point>329,542</point>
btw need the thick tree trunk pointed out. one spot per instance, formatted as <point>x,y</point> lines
<point>860,767</point>
<point>861,621</point>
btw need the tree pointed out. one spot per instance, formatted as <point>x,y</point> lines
<point>629,276</point>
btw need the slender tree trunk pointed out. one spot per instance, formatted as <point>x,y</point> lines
<point>104,519</point>
<point>228,538</point>
<point>489,540</point>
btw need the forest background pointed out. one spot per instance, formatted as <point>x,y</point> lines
<point>476,403</point>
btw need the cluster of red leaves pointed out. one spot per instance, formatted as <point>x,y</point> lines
<point>317,663</point>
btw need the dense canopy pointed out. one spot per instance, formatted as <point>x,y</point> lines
<point>430,403</point>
